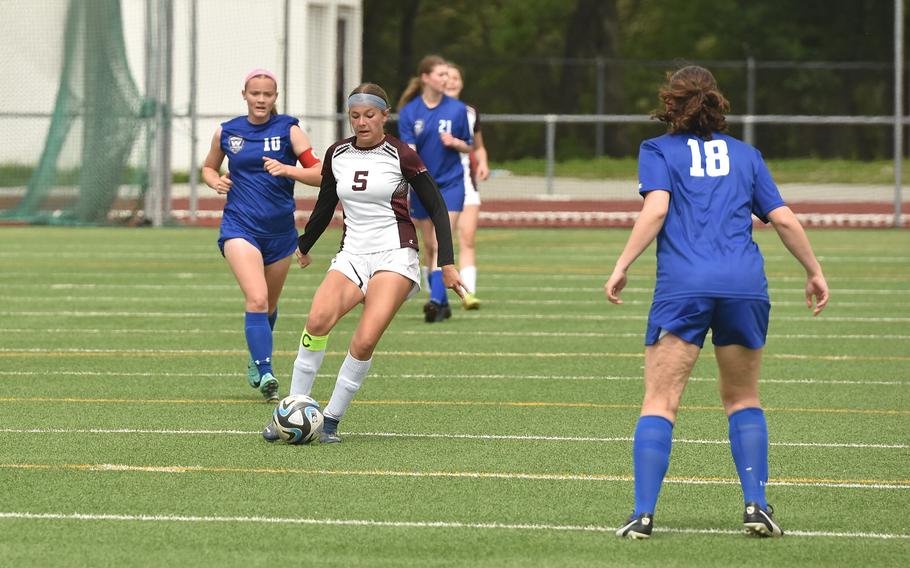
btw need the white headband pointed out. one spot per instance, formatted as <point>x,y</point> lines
<point>367,99</point>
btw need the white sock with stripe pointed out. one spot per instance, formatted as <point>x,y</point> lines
<point>350,377</point>
<point>305,368</point>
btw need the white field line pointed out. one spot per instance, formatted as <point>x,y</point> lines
<point>493,272</point>
<point>522,404</point>
<point>561,317</point>
<point>25,515</point>
<point>607,318</point>
<point>99,278</point>
<point>460,377</point>
<point>233,301</point>
<point>488,274</point>
<point>593,290</point>
<point>140,248</point>
<point>639,334</point>
<point>512,438</point>
<point>489,256</point>
<point>600,302</point>
<point>182,469</point>
<point>501,274</point>
<point>520,354</point>
<point>81,253</point>
<point>606,259</point>
<point>424,333</point>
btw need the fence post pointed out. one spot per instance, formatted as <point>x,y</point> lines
<point>167,110</point>
<point>599,109</point>
<point>152,60</point>
<point>550,121</point>
<point>194,138</point>
<point>748,124</point>
<point>898,106</point>
<point>285,54</point>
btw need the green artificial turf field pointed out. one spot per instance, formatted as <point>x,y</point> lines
<point>502,437</point>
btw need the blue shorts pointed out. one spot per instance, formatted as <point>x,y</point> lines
<point>273,249</point>
<point>733,321</point>
<point>452,194</point>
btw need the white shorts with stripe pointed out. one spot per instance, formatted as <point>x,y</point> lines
<point>471,195</point>
<point>359,268</point>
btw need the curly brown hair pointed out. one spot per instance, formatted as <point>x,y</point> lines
<point>692,103</point>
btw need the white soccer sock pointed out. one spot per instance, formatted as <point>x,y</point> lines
<point>305,368</point>
<point>469,277</point>
<point>424,278</point>
<point>350,377</point>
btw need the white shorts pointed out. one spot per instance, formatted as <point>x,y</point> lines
<point>471,195</point>
<point>359,268</point>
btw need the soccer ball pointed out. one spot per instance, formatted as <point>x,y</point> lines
<point>297,419</point>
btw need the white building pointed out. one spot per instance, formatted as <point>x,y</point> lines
<point>316,42</point>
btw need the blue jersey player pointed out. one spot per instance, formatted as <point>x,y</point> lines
<point>701,189</point>
<point>435,125</point>
<point>258,236</point>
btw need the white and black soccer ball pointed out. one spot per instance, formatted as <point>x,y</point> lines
<point>297,419</point>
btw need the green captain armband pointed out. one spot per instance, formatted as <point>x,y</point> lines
<point>313,342</point>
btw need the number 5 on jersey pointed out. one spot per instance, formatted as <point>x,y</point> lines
<point>360,181</point>
<point>717,160</point>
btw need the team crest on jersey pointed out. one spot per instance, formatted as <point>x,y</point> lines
<point>418,127</point>
<point>235,144</point>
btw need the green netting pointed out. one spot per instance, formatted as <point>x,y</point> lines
<point>91,161</point>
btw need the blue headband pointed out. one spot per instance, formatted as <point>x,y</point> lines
<point>367,99</point>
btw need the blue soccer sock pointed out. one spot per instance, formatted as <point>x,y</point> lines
<point>749,446</point>
<point>273,317</point>
<point>438,288</point>
<point>259,340</point>
<point>651,456</point>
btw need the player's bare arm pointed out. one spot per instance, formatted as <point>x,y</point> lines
<point>792,234</point>
<point>647,226</point>
<point>211,168</point>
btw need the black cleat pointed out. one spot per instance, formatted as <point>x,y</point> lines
<point>760,522</point>
<point>637,527</point>
<point>433,312</point>
<point>429,311</point>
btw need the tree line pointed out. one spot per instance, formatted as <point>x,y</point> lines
<point>581,56</point>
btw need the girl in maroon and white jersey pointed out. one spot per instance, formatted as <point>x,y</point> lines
<point>378,266</point>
